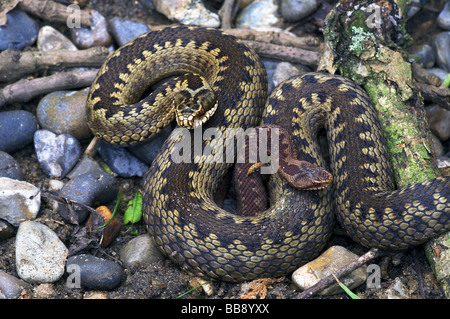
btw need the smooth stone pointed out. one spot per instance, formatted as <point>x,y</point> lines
<point>96,273</point>
<point>124,30</point>
<point>259,13</point>
<point>65,112</point>
<point>329,262</point>
<point>295,10</point>
<point>443,19</point>
<point>140,251</point>
<point>22,123</point>
<point>147,151</point>
<point>50,39</point>
<point>56,154</point>
<point>439,121</point>
<point>188,12</point>
<point>40,254</point>
<point>9,167</point>
<point>284,71</point>
<point>19,201</point>
<point>6,230</point>
<point>426,56</point>
<point>441,45</point>
<point>96,35</point>
<point>91,189</point>
<point>19,32</point>
<point>121,161</point>
<point>11,287</point>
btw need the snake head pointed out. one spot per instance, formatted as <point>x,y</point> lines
<point>194,104</point>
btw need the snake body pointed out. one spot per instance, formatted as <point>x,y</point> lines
<point>179,208</point>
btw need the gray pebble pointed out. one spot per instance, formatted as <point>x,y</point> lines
<point>441,45</point>
<point>19,201</point>
<point>124,30</point>
<point>40,254</point>
<point>65,112</point>
<point>140,251</point>
<point>22,123</point>
<point>295,10</point>
<point>426,55</point>
<point>19,32</point>
<point>50,39</point>
<point>56,154</point>
<point>443,20</point>
<point>91,189</point>
<point>9,167</point>
<point>95,273</point>
<point>11,287</point>
<point>259,13</point>
<point>121,161</point>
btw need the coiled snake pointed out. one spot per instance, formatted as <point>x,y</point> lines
<point>179,206</point>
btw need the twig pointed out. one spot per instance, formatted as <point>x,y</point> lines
<point>55,12</point>
<point>14,65</point>
<point>439,95</point>
<point>327,281</point>
<point>290,54</point>
<point>25,90</point>
<point>226,12</point>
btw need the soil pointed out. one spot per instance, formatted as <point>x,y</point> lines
<point>164,280</point>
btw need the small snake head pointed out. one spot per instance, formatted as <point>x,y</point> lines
<point>194,105</point>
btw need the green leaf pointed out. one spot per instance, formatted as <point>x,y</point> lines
<point>447,81</point>
<point>345,288</point>
<point>133,214</point>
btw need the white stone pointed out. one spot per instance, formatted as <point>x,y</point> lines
<point>19,201</point>
<point>40,254</point>
<point>330,262</point>
<point>140,251</point>
<point>188,12</point>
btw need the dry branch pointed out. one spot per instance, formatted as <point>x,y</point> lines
<point>25,90</point>
<point>55,12</point>
<point>14,65</point>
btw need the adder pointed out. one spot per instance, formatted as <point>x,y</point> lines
<point>220,83</point>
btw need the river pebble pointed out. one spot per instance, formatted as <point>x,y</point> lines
<point>11,287</point>
<point>9,167</point>
<point>259,13</point>
<point>140,251</point>
<point>439,121</point>
<point>50,39</point>
<point>95,273</point>
<point>121,161</point>
<point>426,55</point>
<point>22,123</point>
<point>65,112</point>
<point>295,10</point>
<point>188,12</point>
<point>19,201</point>
<point>329,262</point>
<point>96,35</point>
<point>441,45</point>
<point>56,154</point>
<point>19,32</point>
<point>91,189</point>
<point>443,20</point>
<point>40,254</point>
<point>124,30</point>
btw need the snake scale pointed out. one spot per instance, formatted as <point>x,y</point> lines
<point>179,208</point>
